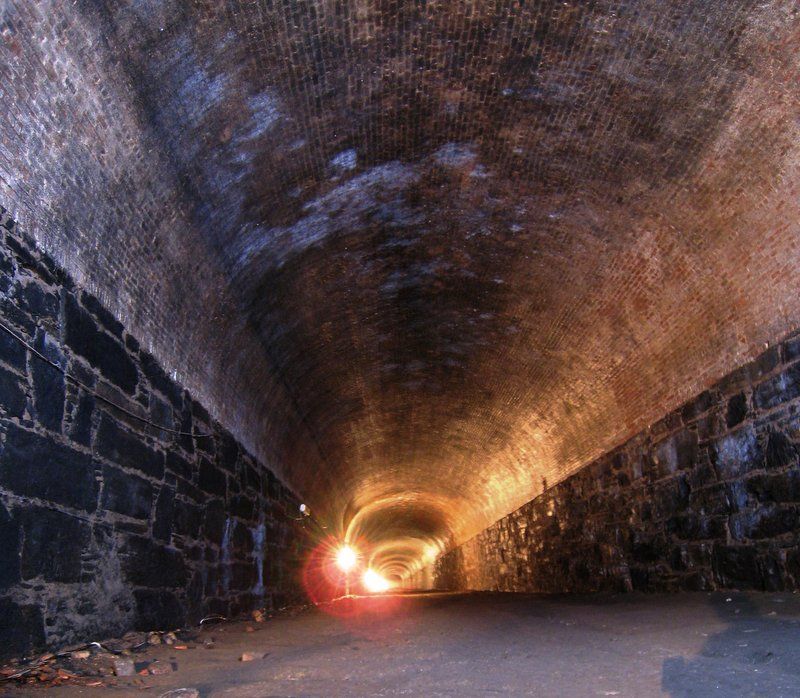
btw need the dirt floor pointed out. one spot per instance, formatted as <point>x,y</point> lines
<point>488,644</point>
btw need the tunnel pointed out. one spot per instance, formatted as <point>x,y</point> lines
<point>400,347</point>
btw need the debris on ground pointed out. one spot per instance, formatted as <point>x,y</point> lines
<point>103,663</point>
<point>251,656</point>
<point>123,666</point>
<point>160,668</point>
<point>181,693</point>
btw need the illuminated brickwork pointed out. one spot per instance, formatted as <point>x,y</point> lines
<point>421,258</point>
<point>706,498</point>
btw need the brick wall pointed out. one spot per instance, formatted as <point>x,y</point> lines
<point>106,523</point>
<point>707,498</point>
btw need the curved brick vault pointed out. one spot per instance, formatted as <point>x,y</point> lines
<point>426,258</point>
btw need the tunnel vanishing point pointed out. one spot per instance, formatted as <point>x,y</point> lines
<point>503,293</point>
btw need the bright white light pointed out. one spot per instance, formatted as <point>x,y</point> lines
<point>375,583</point>
<point>346,558</point>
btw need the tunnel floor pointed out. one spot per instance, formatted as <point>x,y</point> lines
<point>495,644</point>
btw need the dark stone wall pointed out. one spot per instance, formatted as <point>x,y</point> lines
<point>707,498</point>
<point>107,523</point>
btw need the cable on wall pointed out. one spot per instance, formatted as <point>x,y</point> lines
<point>93,392</point>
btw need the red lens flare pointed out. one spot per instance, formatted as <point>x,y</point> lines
<point>327,585</point>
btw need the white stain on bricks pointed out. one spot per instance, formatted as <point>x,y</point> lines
<point>374,195</point>
<point>455,155</point>
<point>225,554</point>
<point>346,160</point>
<point>259,548</point>
<point>376,192</point>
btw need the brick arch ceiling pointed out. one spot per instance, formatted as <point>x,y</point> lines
<point>469,246</point>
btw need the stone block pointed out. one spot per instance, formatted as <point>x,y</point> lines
<point>793,564</point>
<point>242,506</point>
<point>678,452</point>
<point>669,497</point>
<point>778,389</point>
<point>35,466</point>
<point>696,526</point>
<point>42,305</point>
<point>736,566</point>
<point>178,465</point>
<point>697,580</point>
<point>80,429</point>
<point>28,260</point>
<point>10,539</point>
<point>12,353</point>
<point>162,525</point>
<point>227,453</point>
<point>161,414</point>
<point>12,394</point>
<point>158,610</point>
<point>700,404</point>
<point>106,319</point>
<point>13,314</point>
<point>736,454</point>
<point>147,563</point>
<point>241,540</point>
<point>127,449</point>
<point>214,521</point>
<point>21,629</point>
<point>125,493</point>
<point>49,385</point>
<point>189,491</point>
<point>780,451</point>
<point>773,571</point>
<point>159,380</point>
<point>648,547</point>
<point>211,479</point>
<point>187,518</point>
<point>775,487</point>
<point>736,410</point>
<point>252,477</point>
<point>791,349</point>
<point>101,349</point>
<point>765,522</point>
<point>242,576</point>
<point>53,543</point>
<point>764,364</point>
<point>132,344</point>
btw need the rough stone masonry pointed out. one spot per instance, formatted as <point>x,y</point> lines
<point>706,498</point>
<point>106,523</point>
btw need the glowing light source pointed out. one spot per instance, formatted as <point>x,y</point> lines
<point>346,558</point>
<point>375,583</point>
